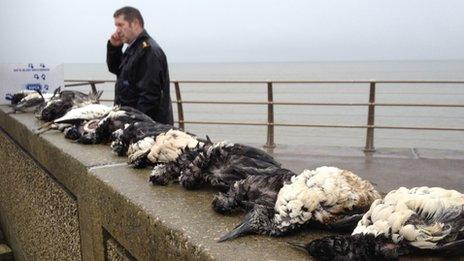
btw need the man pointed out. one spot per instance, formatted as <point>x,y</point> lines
<point>142,70</point>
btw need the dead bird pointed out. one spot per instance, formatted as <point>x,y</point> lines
<point>328,196</point>
<point>163,174</point>
<point>349,248</point>
<point>116,119</point>
<point>78,130</point>
<point>260,188</point>
<point>138,151</point>
<point>168,146</point>
<point>218,165</point>
<point>30,101</point>
<point>76,116</point>
<point>63,101</point>
<point>17,97</point>
<point>163,148</point>
<point>122,138</point>
<point>419,220</point>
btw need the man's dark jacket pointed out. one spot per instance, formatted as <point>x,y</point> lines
<point>142,78</point>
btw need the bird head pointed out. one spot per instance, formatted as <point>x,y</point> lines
<point>55,109</point>
<point>103,130</point>
<point>17,97</point>
<point>257,221</point>
<point>354,247</point>
<point>72,133</point>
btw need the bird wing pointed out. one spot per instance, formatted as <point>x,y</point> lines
<point>256,153</point>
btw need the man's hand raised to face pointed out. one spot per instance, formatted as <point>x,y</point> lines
<point>115,40</point>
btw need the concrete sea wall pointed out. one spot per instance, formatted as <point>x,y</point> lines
<point>65,201</point>
<point>60,200</point>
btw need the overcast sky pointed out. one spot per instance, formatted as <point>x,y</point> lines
<point>239,30</point>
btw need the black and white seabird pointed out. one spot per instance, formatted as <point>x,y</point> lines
<point>419,220</point>
<point>328,196</point>
<point>163,148</point>
<point>29,101</point>
<point>117,119</point>
<point>218,165</point>
<point>259,188</point>
<point>63,101</point>
<point>122,138</point>
<point>76,116</point>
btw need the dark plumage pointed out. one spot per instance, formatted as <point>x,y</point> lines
<point>250,178</point>
<point>134,132</point>
<point>326,196</point>
<point>55,110</point>
<point>260,188</point>
<point>17,97</point>
<point>63,101</point>
<point>117,119</point>
<point>79,130</point>
<point>223,164</point>
<point>73,132</point>
<point>419,220</point>
<point>370,247</point>
<point>343,247</point>
<point>219,165</point>
<point>29,102</point>
<point>163,174</point>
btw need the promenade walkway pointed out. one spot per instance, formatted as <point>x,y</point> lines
<point>387,168</point>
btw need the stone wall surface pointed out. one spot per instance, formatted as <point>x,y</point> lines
<point>36,208</point>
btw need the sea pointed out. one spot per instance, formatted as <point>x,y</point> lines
<point>307,137</point>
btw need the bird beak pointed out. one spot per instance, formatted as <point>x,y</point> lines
<point>47,124</point>
<point>299,246</point>
<point>44,128</point>
<point>240,230</point>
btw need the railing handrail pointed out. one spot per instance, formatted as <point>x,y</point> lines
<point>286,81</point>
<point>371,104</point>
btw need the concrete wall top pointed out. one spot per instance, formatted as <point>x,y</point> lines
<point>151,222</point>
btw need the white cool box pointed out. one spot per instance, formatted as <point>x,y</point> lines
<point>15,77</point>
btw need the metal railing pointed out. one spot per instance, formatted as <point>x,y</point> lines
<point>270,144</point>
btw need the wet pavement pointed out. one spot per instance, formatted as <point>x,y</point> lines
<point>388,169</point>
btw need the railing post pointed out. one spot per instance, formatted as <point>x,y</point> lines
<point>270,118</point>
<point>370,120</point>
<point>180,110</point>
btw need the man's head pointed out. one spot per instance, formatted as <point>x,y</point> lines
<point>129,23</point>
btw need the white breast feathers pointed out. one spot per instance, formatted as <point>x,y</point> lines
<point>323,194</point>
<point>169,145</point>
<point>422,215</point>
